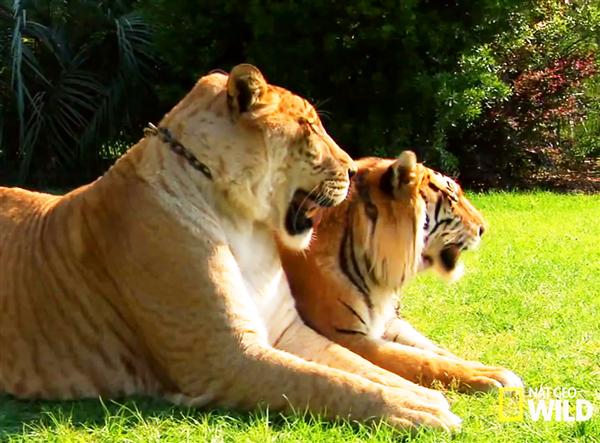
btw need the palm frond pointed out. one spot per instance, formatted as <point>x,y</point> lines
<point>33,129</point>
<point>16,79</point>
<point>65,99</point>
<point>102,120</point>
<point>134,38</point>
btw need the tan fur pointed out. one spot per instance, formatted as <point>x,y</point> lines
<point>365,250</point>
<point>157,280</point>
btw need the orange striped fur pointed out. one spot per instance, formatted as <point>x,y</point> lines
<point>400,217</point>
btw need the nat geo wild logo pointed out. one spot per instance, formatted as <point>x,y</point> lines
<point>543,404</point>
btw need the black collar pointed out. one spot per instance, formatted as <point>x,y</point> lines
<point>166,137</point>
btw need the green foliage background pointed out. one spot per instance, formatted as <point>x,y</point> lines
<point>375,67</point>
<point>436,76</point>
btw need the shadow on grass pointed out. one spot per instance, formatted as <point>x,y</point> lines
<point>20,416</point>
<point>17,415</point>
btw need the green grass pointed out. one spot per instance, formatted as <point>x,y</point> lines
<point>530,301</point>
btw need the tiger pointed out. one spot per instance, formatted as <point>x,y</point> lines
<point>399,219</point>
<point>162,277</point>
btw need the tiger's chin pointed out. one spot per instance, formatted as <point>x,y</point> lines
<point>445,262</point>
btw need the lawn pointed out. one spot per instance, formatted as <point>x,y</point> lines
<point>530,300</point>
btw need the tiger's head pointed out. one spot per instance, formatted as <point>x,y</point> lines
<point>443,221</point>
<point>451,225</point>
<point>400,217</point>
<point>267,150</point>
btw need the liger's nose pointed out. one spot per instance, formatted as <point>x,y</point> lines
<point>351,172</point>
<point>481,230</point>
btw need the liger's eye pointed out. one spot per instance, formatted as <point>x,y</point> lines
<point>305,121</point>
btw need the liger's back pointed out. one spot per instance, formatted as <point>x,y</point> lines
<point>60,337</point>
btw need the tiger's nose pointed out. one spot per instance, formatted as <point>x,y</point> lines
<point>351,172</point>
<point>481,230</point>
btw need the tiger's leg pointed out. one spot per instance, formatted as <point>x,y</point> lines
<point>400,331</point>
<point>303,341</point>
<point>428,368</point>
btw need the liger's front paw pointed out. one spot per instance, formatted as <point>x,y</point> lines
<point>410,412</point>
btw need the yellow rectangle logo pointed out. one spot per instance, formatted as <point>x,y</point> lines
<point>511,404</point>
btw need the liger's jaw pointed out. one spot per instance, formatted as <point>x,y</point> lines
<point>301,215</point>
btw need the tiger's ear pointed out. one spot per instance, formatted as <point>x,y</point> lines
<point>400,176</point>
<point>246,87</point>
<point>437,183</point>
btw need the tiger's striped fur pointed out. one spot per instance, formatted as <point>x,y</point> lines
<point>400,217</point>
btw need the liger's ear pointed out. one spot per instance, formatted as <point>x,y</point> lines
<point>400,176</point>
<point>245,88</point>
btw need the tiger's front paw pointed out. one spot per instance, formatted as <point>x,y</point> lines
<point>482,378</point>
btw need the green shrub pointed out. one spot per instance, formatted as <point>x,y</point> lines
<point>533,104</point>
<point>586,135</point>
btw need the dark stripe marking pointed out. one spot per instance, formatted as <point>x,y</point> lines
<point>444,221</point>
<point>346,270</point>
<point>365,287</point>
<point>438,207</point>
<point>351,309</point>
<point>349,332</point>
<point>370,269</point>
<point>282,334</point>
